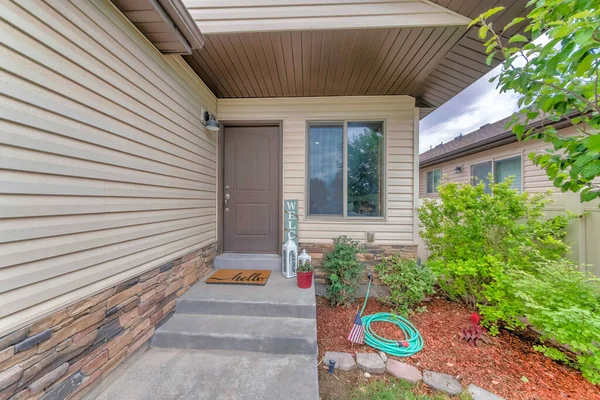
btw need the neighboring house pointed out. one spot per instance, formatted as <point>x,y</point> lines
<point>492,149</point>
<point>115,194</point>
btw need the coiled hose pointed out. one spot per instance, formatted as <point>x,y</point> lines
<point>412,343</point>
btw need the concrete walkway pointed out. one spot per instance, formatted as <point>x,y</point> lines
<point>231,343</point>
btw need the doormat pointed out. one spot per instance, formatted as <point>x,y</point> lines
<point>255,277</point>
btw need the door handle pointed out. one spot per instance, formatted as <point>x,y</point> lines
<point>226,200</point>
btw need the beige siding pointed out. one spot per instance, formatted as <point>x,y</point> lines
<point>398,114</point>
<point>106,169</point>
<point>583,233</point>
<point>226,16</point>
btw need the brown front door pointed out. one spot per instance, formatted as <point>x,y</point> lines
<point>251,189</point>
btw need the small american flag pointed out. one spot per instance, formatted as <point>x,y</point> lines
<point>357,334</point>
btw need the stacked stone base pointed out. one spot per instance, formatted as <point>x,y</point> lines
<point>371,257</point>
<point>63,355</point>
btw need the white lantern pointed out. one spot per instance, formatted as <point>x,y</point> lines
<point>289,259</point>
<point>304,258</point>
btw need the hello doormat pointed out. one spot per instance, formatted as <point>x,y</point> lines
<point>255,277</point>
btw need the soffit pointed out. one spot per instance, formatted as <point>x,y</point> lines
<point>165,23</point>
<point>322,63</point>
<point>432,64</point>
<point>235,16</point>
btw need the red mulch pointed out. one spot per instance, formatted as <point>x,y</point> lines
<point>498,367</point>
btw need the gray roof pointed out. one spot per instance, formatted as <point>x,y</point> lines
<point>485,132</point>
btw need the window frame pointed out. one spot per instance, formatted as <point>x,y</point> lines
<point>434,189</point>
<point>493,169</point>
<point>383,189</point>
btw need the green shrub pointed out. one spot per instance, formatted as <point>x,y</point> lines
<point>344,270</point>
<point>564,304</point>
<point>477,239</point>
<point>407,281</point>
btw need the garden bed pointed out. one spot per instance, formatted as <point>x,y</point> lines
<point>508,366</point>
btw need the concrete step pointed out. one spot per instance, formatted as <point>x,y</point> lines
<point>248,261</point>
<point>167,374</point>
<point>280,297</point>
<point>234,332</point>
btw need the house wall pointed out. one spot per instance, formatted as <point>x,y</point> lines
<point>583,233</point>
<point>106,169</point>
<point>398,112</point>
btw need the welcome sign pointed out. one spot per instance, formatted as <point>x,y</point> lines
<point>290,221</point>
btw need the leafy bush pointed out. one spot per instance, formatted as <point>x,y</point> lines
<point>407,281</point>
<point>476,239</point>
<point>344,270</point>
<point>564,304</point>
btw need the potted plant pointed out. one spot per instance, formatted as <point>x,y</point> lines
<point>305,275</point>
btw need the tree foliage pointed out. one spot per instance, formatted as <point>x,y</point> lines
<point>558,80</point>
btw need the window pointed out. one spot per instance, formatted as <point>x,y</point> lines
<point>480,173</point>
<point>433,180</point>
<point>500,169</point>
<point>346,169</point>
<point>506,168</point>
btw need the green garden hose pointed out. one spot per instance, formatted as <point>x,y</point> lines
<point>412,343</point>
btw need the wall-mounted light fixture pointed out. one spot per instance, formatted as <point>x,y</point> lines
<point>458,169</point>
<point>209,120</point>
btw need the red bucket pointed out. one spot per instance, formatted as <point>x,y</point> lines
<point>304,279</point>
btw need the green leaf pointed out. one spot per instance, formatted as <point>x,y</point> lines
<point>483,30</point>
<point>517,38</point>
<point>474,22</point>
<point>489,58</point>
<point>490,47</point>
<point>582,36</point>
<point>513,22</point>
<point>585,65</point>
<point>491,12</point>
<point>593,142</point>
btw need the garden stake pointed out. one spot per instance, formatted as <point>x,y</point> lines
<point>361,330</point>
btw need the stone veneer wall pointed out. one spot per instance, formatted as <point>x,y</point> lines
<point>371,257</point>
<point>62,355</point>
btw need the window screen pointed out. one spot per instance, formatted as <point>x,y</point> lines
<point>506,168</point>
<point>480,173</point>
<point>325,173</point>
<point>365,169</point>
<point>433,180</point>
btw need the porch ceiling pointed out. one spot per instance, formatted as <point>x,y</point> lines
<point>432,63</point>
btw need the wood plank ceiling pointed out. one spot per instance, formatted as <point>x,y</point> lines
<point>432,64</point>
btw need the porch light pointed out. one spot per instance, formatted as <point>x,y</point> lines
<point>289,259</point>
<point>212,124</point>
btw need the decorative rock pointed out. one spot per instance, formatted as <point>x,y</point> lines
<point>404,371</point>
<point>343,361</point>
<point>444,382</point>
<point>370,362</point>
<point>10,376</point>
<point>13,338</point>
<point>478,393</point>
<point>48,379</point>
<point>33,340</point>
<point>367,375</point>
<point>383,356</point>
<point>7,353</point>
<point>65,388</point>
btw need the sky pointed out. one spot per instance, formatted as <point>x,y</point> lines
<point>479,104</point>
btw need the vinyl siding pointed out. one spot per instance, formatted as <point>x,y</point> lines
<point>398,113</point>
<point>106,169</point>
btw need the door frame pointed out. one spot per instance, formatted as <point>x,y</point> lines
<point>221,176</point>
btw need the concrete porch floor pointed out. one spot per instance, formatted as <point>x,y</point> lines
<point>229,343</point>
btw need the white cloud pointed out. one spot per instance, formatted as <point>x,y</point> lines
<point>478,104</point>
